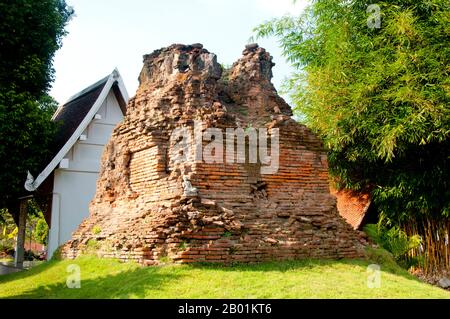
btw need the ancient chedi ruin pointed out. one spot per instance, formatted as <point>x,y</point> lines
<point>226,208</point>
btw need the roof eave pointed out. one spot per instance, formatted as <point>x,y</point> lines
<point>32,184</point>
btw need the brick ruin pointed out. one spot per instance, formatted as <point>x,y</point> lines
<point>150,208</point>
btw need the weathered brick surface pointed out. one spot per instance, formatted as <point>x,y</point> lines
<point>140,211</point>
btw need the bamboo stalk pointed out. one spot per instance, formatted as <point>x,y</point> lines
<point>435,255</point>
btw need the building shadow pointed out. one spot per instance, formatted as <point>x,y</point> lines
<point>386,264</point>
<point>135,283</point>
<point>24,273</point>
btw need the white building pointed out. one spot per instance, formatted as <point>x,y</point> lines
<point>67,181</point>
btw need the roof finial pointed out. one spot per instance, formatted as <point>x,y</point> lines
<point>29,183</point>
<point>116,74</point>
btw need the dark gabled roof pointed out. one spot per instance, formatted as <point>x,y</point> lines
<point>72,118</point>
<point>70,115</point>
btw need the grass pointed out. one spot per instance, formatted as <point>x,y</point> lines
<point>104,278</point>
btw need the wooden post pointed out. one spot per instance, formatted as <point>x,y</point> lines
<point>20,244</point>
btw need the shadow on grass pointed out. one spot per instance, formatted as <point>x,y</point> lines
<point>27,272</point>
<point>382,258</point>
<point>279,266</point>
<point>134,283</point>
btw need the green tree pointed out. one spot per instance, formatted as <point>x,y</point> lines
<point>37,226</point>
<point>373,82</point>
<point>41,232</point>
<point>30,33</point>
<point>8,231</point>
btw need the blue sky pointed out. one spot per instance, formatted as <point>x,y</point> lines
<point>106,34</point>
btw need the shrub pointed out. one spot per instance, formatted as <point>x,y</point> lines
<point>183,246</point>
<point>394,240</point>
<point>6,248</point>
<point>381,256</point>
<point>165,259</point>
<point>96,230</point>
<point>31,256</point>
<point>91,248</point>
<point>227,234</point>
<point>57,255</point>
<point>41,232</point>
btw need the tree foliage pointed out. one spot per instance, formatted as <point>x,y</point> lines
<point>379,96</point>
<point>37,228</point>
<point>8,232</point>
<point>30,33</point>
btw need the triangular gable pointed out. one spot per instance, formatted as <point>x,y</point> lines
<point>77,114</point>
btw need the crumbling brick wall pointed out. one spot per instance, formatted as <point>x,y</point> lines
<point>141,210</point>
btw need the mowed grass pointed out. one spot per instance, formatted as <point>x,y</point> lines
<point>104,278</point>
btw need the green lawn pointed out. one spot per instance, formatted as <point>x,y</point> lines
<point>103,278</point>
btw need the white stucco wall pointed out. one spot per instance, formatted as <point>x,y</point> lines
<point>74,187</point>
